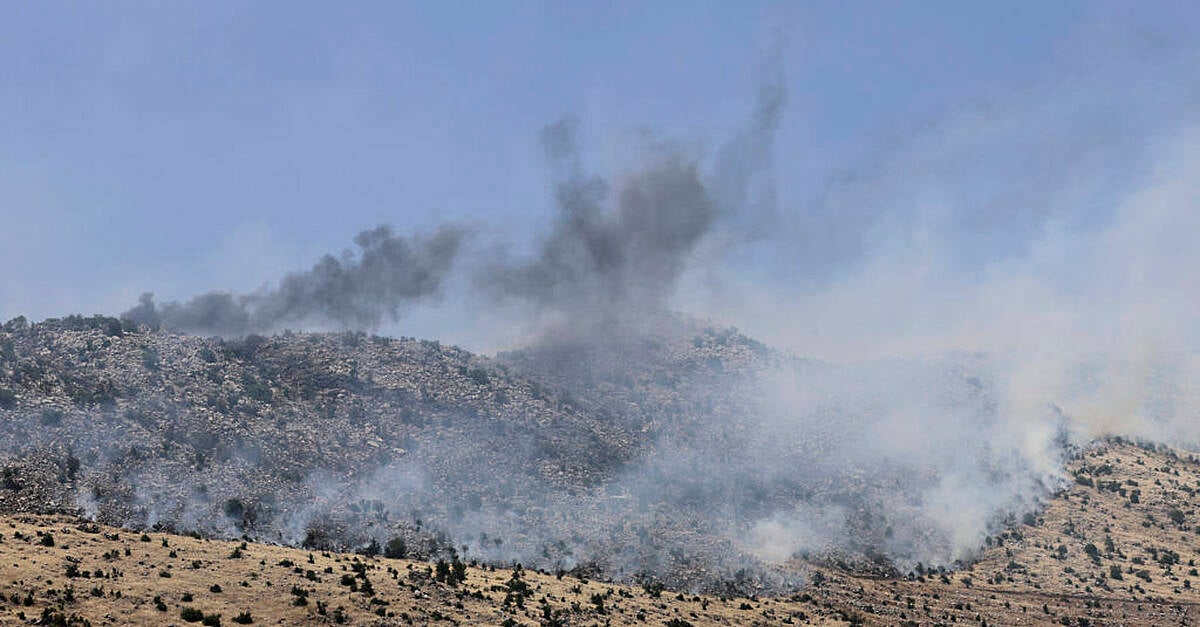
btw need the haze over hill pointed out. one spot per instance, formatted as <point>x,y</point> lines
<point>962,329</point>
<point>620,423</point>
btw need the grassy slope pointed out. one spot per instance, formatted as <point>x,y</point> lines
<point>1038,573</point>
<point>258,583</point>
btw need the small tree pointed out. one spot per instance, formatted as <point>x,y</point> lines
<point>395,549</point>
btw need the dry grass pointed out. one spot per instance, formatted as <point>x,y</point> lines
<point>1057,570</point>
<point>112,587</point>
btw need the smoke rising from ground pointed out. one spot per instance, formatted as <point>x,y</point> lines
<point>389,274</point>
<point>1002,286</point>
<point>998,287</point>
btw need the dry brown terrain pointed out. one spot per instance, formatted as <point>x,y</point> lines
<point>1119,548</point>
<point>123,577</point>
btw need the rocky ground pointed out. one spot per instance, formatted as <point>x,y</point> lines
<point>335,440</point>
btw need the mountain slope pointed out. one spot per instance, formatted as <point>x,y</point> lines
<point>335,440</point>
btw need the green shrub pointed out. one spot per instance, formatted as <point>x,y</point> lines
<point>395,549</point>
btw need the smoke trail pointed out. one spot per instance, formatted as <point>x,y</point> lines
<point>389,273</point>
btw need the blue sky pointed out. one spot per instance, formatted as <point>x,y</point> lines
<point>186,147</point>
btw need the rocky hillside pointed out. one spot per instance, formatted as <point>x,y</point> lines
<point>337,440</point>
<point>664,458</point>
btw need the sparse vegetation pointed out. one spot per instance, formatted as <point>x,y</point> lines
<point>1121,533</point>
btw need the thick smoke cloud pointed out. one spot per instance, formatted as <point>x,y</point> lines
<point>389,273</point>
<point>615,252</point>
<point>1002,285</point>
<point>613,262</point>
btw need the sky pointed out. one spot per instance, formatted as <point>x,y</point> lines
<point>180,148</point>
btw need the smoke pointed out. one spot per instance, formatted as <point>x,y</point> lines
<point>389,274</point>
<point>616,251</point>
<point>977,299</point>
<point>604,264</point>
<point>1000,286</point>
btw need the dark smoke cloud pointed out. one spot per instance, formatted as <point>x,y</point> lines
<point>614,252</point>
<point>351,292</point>
<point>617,252</point>
<point>609,261</point>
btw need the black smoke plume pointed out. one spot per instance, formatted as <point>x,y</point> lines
<point>616,252</point>
<point>350,292</point>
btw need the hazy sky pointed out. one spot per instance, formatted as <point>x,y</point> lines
<point>186,147</point>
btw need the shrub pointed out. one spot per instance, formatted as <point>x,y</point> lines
<point>372,549</point>
<point>256,389</point>
<point>8,399</point>
<point>243,618</point>
<point>191,615</point>
<point>395,549</point>
<point>16,325</point>
<point>51,417</point>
